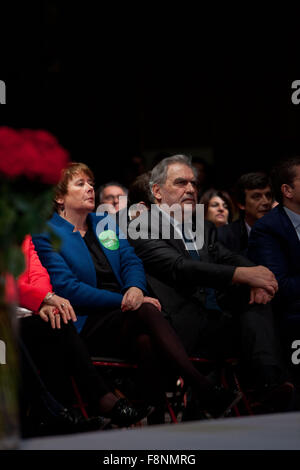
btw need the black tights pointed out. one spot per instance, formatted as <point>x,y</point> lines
<point>147,335</point>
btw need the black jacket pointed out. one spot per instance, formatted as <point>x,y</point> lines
<point>234,236</point>
<point>178,280</point>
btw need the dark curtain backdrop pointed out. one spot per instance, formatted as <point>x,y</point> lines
<point>118,84</point>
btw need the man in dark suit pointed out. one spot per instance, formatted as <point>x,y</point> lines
<point>254,198</point>
<point>183,276</point>
<point>274,241</point>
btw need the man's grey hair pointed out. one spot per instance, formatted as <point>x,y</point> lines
<point>159,172</point>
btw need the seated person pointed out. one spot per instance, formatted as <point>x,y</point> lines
<point>254,198</point>
<point>218,207</point>
<point>98,271</point>
<point>58,351</point>
<point>139,192</point>
<point>274,242</point>
<point>139,199</point>
<point>203,174</point>
<point>111,194</point>
<point>189,280</point>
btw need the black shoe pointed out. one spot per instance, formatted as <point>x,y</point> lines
<point>74,422</point>
<point>41,422</point>
<point>220,401</point>
<point>95,423</point>
<point>124,414</point>
<point>275,398</point>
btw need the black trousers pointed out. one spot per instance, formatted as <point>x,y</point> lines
<point>59,354</point>
<point>246,331</point>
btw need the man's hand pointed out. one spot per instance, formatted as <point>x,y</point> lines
<point>259,296</point>
<point>256,276</point>
<point>132,300</point>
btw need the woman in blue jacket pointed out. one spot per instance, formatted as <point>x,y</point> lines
<point>99,272</point>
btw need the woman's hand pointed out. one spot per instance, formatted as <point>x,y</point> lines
<point>151,300</point>
<point>50,313</point>
<point>63,306</point>
<point>132,300</point>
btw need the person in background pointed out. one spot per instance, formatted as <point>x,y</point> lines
<point>254,198</point>
<point>139,195</point>
<point>112,194</point>
<point>203,169</point>
<point>139,200</point>
<point>218,207</point>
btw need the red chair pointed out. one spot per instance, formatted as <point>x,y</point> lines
<point>120,365</point>
<point>119,370</point>
<point>229,379</point>
<point>176,398</point>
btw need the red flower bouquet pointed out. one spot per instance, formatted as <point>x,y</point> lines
<point>33,154</point>
<point>30,163</point>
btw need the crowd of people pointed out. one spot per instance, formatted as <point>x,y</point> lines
<point>152,282</point>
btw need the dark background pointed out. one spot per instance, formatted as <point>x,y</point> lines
<point>115,84</point>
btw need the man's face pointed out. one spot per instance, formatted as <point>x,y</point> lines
<point>180,187</point>
<point>257,203</point>
<point>111,195</point>
<point>291,194</point>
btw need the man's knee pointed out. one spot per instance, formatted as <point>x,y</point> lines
<point>257,313</point>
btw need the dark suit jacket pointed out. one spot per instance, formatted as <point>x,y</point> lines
<point>178,280</point>
<point>234,236</point>
<point>274,243</point>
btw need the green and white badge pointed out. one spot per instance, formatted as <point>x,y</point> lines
<point>109,239</point>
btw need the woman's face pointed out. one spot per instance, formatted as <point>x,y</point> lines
<point>217,211</point>
<point>80,196</point>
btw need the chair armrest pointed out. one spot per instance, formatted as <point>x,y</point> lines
<point>23,312</point>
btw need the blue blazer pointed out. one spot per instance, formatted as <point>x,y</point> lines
<point>274,243</point>
<point>72,271</point>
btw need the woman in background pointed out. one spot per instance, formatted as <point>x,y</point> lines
<point>218,207</point>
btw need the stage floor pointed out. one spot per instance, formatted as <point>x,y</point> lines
<point>265,432</point>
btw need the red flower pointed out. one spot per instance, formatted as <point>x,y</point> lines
<point>35,154</point>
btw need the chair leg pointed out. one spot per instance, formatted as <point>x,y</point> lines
<point>79,403</point>
<point>225,385</point>
<point>239,388</point>
<point>171,411</point>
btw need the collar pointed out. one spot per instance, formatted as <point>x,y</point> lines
<point>248,228</point>
<point>178,228</point>
<point>176,223</point>
<point>63,223</point>
<point>293,216</point>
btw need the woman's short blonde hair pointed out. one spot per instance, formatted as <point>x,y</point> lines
<point>67,175</point>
